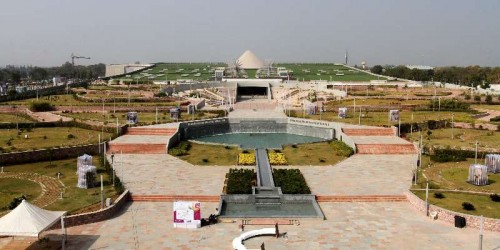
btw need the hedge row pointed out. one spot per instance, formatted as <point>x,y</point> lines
<point>239,181</point>
<point>342,149</point>
<point>41,92</point>
<point>447,155</point>
<point>291,181</point>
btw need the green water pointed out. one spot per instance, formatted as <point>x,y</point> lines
<point>259,140</point>
<point>303,209</point>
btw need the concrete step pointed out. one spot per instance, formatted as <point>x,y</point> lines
<point>171,198</point>
<point>385,149</point>
<point>361,198</point>
<point>151,131</point>
<point>368,132</point>
<point>137,148</point>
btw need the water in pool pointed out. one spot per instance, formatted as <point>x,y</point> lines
<point>259,140</point>
<point>305,209</point>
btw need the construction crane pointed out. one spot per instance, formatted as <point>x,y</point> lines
<point>73,57</point>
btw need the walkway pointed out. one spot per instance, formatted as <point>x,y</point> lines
<point>265,176</point>
<point>348,226</point>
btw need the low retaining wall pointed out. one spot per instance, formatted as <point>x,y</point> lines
<point>104,214</point>
<point>449,216</point>
<point>48,154</point>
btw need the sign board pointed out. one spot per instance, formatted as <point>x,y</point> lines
<point>393,115</point>
<point>342,112</point>
<point>187,214</point>
<point>132,118</point>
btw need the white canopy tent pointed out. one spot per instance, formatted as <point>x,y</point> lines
<point>28,220</point>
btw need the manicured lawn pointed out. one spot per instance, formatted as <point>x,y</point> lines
<point>201,154</point>
<point>491,107</point>
<point>74,198</point>
<point>453,201</point>
<point>11,188</point>
<point>12,118</point>
<point>326,71</point>
<point>453,175</point>
<point>39,138</point>
<point>382,118</point>
<point>463,138</point>
<point>144,117</point>
<point>316,154</point>
<point>69,100</point>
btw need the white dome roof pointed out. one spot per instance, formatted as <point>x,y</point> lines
<point>249,60</point>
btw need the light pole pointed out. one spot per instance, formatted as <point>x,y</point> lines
<point>475,158</point>
<point>452,125</point>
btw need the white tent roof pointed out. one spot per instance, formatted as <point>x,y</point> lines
<point>28,220</point>
<point>249,60</point>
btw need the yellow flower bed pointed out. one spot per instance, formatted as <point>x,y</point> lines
<point>277,158</point>
<point>246,159</point>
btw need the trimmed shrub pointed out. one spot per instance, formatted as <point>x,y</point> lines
<point>341,149</point>
<point>16,201</point>
<point>41,106</point>
<point>439,195</point>
<point>239,181</point>
<point>181,149</point>
<point>495,119</point>
<point>495,197</point>
<point>291,181</point>
<point>468,206</point>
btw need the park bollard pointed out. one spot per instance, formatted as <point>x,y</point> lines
<point>2,170</point>
<point>58,175</point>
<point>62,195</point>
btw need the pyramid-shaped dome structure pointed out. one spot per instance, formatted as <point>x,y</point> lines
<point>248,60</point>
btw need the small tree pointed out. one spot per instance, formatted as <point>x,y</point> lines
<point>489,99</point>
<point>477,98</point>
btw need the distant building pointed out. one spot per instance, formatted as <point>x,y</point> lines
<point>120,69</point>
<point>248,60</point>
<point>420,67</point>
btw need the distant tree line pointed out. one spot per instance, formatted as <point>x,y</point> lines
<point>15,74</point>
<point>469,76</point>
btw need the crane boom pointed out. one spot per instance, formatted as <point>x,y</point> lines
<point>73,57</point>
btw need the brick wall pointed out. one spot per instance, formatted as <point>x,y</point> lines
<point>48,154</point>
<point>449,216</point>
<point>104,214</point>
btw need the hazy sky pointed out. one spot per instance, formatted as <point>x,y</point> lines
<point>430,32</point>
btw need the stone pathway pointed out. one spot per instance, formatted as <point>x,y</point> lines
<point>361,175</point>
<point>353,225</point>
<point>161,174</point>
<point>51,187</point>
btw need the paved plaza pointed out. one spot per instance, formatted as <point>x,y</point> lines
<point>353,225</point>
<point>361,175</point>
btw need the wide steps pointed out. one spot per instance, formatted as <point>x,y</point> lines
<point>361,198</point>
<point>368,132</point>
<point>385,149</point>
<point>137,148</point>
<point>171,198</point>
<point>151,131</point>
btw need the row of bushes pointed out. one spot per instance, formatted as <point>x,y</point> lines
<point>180,149</point>
<point>74,123</point>
<point>239,181</point>
<point>41,92</point>
<point>41,106</point>
<point>448,155</point>
<point>449,104</point>
<point>342,149</point>
<point>291,181</point>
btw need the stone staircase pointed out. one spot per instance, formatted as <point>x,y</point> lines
<point>151,131</point>
<point>142,140</point>
<point>171,198</point>
<point>368,132</point>
<point>361,198</point>
<point>385,149</point>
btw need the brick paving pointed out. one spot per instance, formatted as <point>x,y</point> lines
<point>51,187</point>
<point>348,226</point>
